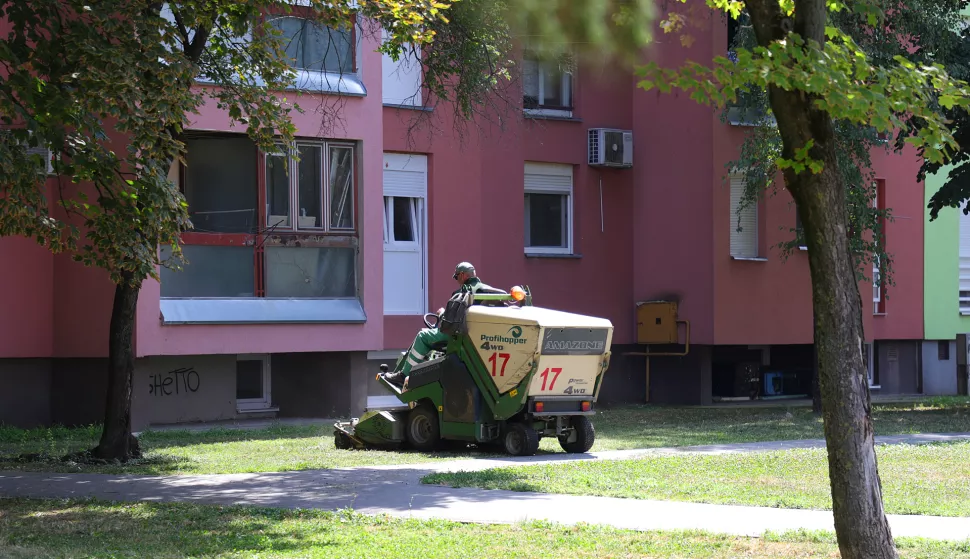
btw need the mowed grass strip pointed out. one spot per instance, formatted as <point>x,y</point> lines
<point>931,479</point>
<point>32,529</point>
<point>287,447</point>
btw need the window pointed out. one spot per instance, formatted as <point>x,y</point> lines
<point>744,228</point>
<point>253,383</point>
<point>401,84</point>
<point>401,221</point>
<point>800,231</point>
<point>325,58</point>
<point>876,286</point>
<point>964,266</point>
<point>878,283</point>
<point>226,33</point>
<point>299,196</point>
<point>548,208</point>
<point>267,225</point>
<point>312,46</point>
<point>943,350</point>
<point>405,179</point>
<point>547,87</point>
<point>733,29</point>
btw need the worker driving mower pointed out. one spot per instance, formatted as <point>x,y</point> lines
<point>491,369</point>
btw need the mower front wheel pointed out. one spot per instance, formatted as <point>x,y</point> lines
<point>520,440</point>
<point>422,431</point>
<point>585,435</point>
<point>341,441</point>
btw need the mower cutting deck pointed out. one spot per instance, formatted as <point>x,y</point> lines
<point>514,375</point>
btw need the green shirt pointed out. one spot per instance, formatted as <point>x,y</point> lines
<point>476,285</point>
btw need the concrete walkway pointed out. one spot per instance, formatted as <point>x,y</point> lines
<point>397,490</point>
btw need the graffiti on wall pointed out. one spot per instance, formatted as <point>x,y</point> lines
<point>179,381</point>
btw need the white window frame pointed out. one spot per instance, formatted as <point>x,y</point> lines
<point>258,404</point>
<point>416,206</point>
<point>418,193</point>
<point>963,261</point>
<point>876,286</point>
<point>293,179</point>
<point>738,249</point>
<point>876,264</point>
<point>566,86</point>
<point>550,173</point>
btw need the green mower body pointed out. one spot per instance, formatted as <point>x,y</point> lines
<point>515,375</point>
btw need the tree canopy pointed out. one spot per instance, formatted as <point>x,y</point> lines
<point>817,76</point>
<point>923,32</point>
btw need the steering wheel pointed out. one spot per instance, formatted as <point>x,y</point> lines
<point>428,324</point>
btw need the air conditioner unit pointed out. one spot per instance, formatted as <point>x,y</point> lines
<point>609,147</point>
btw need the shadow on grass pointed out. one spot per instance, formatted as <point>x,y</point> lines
<point>150,463</point>
<point>79,528</point>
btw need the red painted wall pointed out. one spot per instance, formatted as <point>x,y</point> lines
<point>26,310</point>
<point>664,229</point>
<point>666,223</point>
<point>83,298</point>
<point>672,206</point>
<point>757,302</point>
<point>51,306</point>
<point>476,209</point>
<point>771,303</point>
<point>904,243</point>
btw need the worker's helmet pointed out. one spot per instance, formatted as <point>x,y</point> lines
<point>465,267</point>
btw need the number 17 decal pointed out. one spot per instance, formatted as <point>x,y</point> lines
<point>494,361</point>
<point>545,377</point>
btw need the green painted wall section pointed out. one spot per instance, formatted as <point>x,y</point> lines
<point>941,260</point>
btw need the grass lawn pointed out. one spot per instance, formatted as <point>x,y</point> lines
<point>298,448</point>
<point>34,529</point>
<point>931,479</point>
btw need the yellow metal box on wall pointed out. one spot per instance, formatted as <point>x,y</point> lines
<point>657,322</point>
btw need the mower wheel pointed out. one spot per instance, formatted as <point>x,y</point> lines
<point>341,441</point>
<point>585,435</point>
<point>422,428</point>
<point>520,439</point>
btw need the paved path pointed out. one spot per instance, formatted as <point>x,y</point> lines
<point>396,490</point>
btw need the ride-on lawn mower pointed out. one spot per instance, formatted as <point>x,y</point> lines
<point>508,376</point>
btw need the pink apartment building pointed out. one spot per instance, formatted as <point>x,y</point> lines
<point>300,285</point>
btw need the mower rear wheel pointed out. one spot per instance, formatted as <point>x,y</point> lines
<point>520,440</point>
<point>585,435</point>
<point>422,428</point>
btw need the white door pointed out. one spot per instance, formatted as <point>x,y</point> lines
<point>405,233</point>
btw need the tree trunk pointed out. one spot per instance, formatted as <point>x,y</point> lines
<point>860,522</point>
<point>816,393</point>
<point>117,442</point>
<point>861,526</point>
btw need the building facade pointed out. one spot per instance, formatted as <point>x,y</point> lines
<point>291,299</point>
<point>947,305</point>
